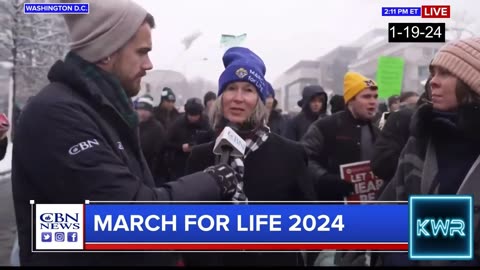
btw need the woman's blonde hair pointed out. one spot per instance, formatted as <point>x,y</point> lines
<point>258,118</point>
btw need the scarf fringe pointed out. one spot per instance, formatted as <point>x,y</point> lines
<point>237,163</point>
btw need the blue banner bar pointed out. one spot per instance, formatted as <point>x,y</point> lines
<point>56,8</point>
<point>147,223</point>
<point>401,11</point>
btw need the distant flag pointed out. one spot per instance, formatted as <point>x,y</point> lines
<point>228,41</point>
<point>188,40</point>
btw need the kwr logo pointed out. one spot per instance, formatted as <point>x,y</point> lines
<point>56,221</point>
<point>440,227</point>
<point>448,227</point>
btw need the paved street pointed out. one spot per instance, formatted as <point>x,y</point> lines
<point>7,221</point>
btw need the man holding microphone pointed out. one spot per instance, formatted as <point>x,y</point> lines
<point>78,138</point>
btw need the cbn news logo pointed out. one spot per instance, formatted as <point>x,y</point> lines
<point>59,226</point>
<point>441,227</point>
<point>55,221</point>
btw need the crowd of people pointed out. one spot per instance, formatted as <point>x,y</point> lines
<point>424,144</point>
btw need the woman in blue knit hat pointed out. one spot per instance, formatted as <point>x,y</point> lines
<point>272,168</point>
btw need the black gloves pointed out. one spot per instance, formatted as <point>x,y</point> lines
<point>331,187</point>
<point>226,179</point>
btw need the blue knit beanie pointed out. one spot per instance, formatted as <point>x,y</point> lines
<point>241,64</point>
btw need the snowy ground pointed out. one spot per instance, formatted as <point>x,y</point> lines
<point>6,164</point>
<point>7,220</point>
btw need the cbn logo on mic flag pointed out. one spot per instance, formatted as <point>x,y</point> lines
<point>59,226</point>
<point>440,227</point>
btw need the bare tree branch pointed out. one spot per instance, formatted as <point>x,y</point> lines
<point>7,9</point>
<point>461,23</point>
<point>32,43</point>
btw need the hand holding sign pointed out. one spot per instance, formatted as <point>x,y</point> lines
<point>4,126</point>
<point>366,183</point>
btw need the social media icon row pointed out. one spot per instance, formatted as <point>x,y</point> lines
<point>59,237</point>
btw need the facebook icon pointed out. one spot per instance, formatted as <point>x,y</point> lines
<point>441,227</point>
<point>72,237</point>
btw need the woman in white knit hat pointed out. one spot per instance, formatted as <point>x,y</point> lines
<point>442,153</point>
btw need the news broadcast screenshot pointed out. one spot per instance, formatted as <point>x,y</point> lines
<point>255,133</point>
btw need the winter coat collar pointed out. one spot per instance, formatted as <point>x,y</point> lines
<point>95,84</point>
<point>356,121</point>
<point>466,121</point>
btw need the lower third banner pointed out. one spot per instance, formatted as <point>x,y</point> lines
<point>245,227</point>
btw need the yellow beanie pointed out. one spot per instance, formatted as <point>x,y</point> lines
<point>354,83</point>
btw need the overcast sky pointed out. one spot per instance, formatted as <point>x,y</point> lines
<point>281,32</point>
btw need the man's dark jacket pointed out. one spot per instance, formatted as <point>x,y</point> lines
<point>153,138</point>
<point>77,140</point>
<point>390,143</point>
<point>330,142</point>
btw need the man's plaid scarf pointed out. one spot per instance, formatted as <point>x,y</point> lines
<point>237,163</point>
<point>109,86</point>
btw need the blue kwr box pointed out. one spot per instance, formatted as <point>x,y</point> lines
<point>441,228</point>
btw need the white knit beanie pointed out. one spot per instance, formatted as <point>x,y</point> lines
<point>109,25</point>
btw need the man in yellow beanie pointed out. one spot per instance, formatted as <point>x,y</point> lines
<point>342,138</point>
<point>360,95</point>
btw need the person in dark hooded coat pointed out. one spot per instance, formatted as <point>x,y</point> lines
<point>208,100</point>
<point>314,106</point>
<point>165,112</point>
<point>152,137</point>
<point>337,104</point>
<point>188,130</point>
<point>393,138</point>
<point>276,121</point>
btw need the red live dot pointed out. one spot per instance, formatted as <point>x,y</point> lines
<point>435,11</point>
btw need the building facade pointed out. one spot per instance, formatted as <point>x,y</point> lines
<point>288,87</point>
<point>327,71</point>
<point>417,57</point>
<point>155,80</point>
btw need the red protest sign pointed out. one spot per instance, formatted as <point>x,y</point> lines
<point>366,183</point>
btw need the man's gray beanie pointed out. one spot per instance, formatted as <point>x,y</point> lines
<point>109,25</point>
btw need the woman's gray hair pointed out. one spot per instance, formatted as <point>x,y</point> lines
<point>258,118</point>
